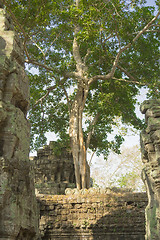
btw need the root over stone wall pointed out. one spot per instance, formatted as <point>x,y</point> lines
<point>18,206</point>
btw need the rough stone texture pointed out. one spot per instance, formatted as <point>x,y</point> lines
<point>18,207</point>
<point>53,174</point>
<point>92,215</point>
<point>150,147</point>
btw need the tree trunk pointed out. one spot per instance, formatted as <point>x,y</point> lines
<point>78,147</point>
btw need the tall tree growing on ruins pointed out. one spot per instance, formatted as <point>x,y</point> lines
<point>92,57</point>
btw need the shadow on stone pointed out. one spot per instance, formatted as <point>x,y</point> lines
<point>125,223</point>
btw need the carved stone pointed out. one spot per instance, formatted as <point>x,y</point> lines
<point>53,174</point>
<point>150,148</point>
<point>18,207</point>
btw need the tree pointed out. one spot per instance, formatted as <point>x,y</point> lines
<point>92,57</point>
<point>123,170</point>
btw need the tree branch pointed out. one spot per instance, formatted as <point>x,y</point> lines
<point>127,73</point>
<point>26,36</point>
<point>31,38</point>
<point>80,65</point>
<point>49,89</point>
<point>115,9</point>
<point>40,65</point>
<point>152,30</point>
<point>89,163</point>
<point>145,28</point>
<point>39,101</point>
<point>129,81</point>
<point>15,19</point>
<point>115,63</point>
<point>68,101</point>
<point>92,130</point>
<point>86,56</point>
<point>52,43</point>
<point>76,53</point>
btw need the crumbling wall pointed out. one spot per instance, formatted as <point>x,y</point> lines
<point>150,146</point>
<point>93,214</point>
<point>53,173</point>
<point>18,207</point>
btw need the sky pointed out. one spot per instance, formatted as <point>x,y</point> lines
<point>151,2</point>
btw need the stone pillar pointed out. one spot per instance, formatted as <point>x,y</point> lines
<point>18,207</point>
<point>150,148</point>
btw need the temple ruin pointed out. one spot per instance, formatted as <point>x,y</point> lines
<point>66,212</point>
<point>103,214</point>
<point>53,174</point>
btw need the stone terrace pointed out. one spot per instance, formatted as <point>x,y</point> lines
<point>93,214</point>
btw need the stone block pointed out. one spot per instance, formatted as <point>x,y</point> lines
<point>153,124</point>
<point>149,147</point>
<point>153,112</point>
<point>149,104</point>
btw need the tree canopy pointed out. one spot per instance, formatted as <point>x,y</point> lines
<point>87,61</point>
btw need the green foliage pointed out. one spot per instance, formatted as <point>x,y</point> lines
<point>59,146</point>
<point>128,179</point>
<point>47,29</point>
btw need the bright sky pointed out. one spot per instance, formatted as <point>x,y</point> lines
<point>151,2</point>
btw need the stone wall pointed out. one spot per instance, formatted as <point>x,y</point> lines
<point>92,214</point>
<point>53,174</point>
<point>150,147</point>
<point>18,207</point>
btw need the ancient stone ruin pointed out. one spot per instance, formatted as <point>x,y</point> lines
<point>102,214</point>
<point>53,173</point>
<point>150,145</point>
<point>18,207</point>
<point>92,214</point>
<point>86,214</point>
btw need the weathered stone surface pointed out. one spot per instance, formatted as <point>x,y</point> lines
<point>149,104</point>
<point>53,174</point>
<point>18,206</point>
<point>150,146</point>
<point>93,215</point>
